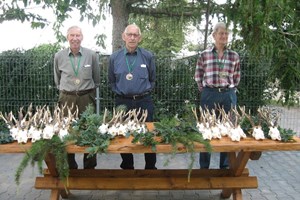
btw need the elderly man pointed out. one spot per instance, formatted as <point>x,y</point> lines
<point>77,75</point>
<point>131,77</point>
<point>218,75</point>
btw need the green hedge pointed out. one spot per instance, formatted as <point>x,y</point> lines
<point>27,77</point>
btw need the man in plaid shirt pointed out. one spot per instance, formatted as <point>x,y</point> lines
<point>217,75</point>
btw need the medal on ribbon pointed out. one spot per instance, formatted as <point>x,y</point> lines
<point>75,69</point>
<point>77,81</point>
<point>130,67</point>
<point>129,76</point>
<point>222,74</point>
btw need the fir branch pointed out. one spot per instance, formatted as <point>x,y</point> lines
<point>85,132</point>
<point>37,153</point>
<point>286,134</point>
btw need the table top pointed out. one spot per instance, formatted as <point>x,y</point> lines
<point>124,145</point>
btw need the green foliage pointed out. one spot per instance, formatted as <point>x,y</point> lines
<point>5,136</point>
<point>253,84</point>
<point>272,31</point>
<point>147,139</point>
<point>269,29</point>
<point>38,152</point>
<point>27,76</point>
<point>183,131</point>
<point>286,134</point>
<point>174,86</point>
<point>176,131</point>
<point>13,10</point>
<point>167,33</point>
<point>85,132</point>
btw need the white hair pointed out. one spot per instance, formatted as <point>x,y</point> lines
<point>133,25</point>
<point>218,26</point>
<point>74,27</point>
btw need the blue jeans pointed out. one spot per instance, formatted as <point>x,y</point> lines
<point>210,98</point>
<point>144,103</point>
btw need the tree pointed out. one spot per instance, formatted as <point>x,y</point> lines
<point>269,29</point>
<point>271,32</point>
<point>96,10</point>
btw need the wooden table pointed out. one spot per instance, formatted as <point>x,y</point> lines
<point>231,181</point>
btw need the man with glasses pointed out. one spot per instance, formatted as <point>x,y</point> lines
<point>131,76</point>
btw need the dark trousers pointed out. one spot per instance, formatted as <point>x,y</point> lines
<point>81,102</point>
<point>144,103</point>
<point>88,162</point>
<point>210,98</point>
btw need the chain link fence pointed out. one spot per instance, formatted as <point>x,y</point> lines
<point>29,79</point>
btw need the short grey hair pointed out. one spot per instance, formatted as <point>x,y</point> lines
<point>134,25</point>
<point>218,26</point>
<point>74,27</point>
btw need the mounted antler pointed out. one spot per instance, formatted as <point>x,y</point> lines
<point>257,131</point>
<point>271,120</point>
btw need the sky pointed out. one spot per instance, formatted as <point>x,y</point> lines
<point>17,35</point>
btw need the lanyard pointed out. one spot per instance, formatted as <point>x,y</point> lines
<point>129,66</point>
<point>73,65</point>
<point>221,62</point>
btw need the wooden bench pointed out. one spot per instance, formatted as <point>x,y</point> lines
<point>231,181</point>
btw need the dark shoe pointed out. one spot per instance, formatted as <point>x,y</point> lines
<point>73,166</point>
<point>255,155</point>
<point>224,167</point>
<point>150,167</point>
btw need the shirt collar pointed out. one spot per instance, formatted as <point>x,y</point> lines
<point>213,49</point>
<point>135,51</point>
<point>70,52</point>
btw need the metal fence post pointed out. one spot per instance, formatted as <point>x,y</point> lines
<point>97,100</point>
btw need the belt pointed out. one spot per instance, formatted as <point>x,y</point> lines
<point>219,89</point>
<point>77,93</point>
<point>134,97</point>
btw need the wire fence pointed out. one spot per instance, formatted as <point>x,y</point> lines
<point>29,79</point>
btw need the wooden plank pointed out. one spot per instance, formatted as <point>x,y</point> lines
<point>155,183</point>
<point>14,147</point>
<point>149,173</point>
<point>124,145</point>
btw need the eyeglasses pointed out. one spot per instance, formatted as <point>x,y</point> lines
<point>132,35</point>
<point>223,33</point>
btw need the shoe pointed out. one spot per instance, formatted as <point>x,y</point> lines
<point>255,155</point>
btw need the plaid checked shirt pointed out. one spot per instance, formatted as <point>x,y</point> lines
<point>213,72</point>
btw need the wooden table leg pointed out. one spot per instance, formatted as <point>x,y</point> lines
<point>51,164</point>
<point>237,194</point>
<point>64,193</point>
<point>226,193</point>
<point>54,194</point>
<point>237,164</point>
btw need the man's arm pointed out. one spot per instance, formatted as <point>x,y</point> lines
<point>111,75</point>
<point>96,69</point>
<point>199,73</point>
<point>56,71</point>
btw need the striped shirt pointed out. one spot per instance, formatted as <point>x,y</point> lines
<point>214,72</point>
